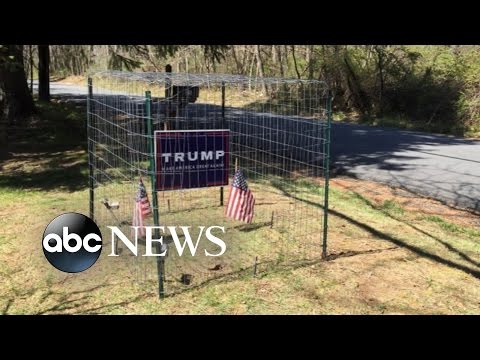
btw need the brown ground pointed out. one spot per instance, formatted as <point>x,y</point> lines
<point>378,193</point>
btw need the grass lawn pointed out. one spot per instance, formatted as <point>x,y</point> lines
<point>389,251</point>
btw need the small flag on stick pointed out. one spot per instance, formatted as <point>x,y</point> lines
<point>141,210</point>
<point>241,201</point>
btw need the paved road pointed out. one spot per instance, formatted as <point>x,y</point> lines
<point>442,167</point>
<point>72,93</point>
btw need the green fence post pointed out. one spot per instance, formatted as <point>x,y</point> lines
<point>326,163</point>
<point>223,128</point>
<point>153,177</point>
<point>90,149</point>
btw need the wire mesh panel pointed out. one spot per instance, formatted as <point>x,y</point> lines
<point>279,139</point>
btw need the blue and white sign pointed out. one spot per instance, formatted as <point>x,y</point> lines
<point>188,159</point>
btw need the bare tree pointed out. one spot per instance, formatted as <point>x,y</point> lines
<point>295,61</point>
<point>260,67</point>
<point>309,59</point>
<point>43,72</point>
<point>15,99</point>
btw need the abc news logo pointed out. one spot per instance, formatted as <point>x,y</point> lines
<point>72,242</point>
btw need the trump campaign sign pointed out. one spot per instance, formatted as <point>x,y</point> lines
<point>188,159</point>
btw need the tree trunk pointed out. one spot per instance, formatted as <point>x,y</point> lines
<point>260,67</point>
<point>15,99</point>
<point>43,73</point>
<point>244,59</point>
<point>31,67</point>
<point>358,94</point>
<point>380,58</point>
<point>195,61</point>
<point>295,61</point>
<point>309,59</point>
<point>237,63</point>
<point>280,60</point>
<point>252,62</point>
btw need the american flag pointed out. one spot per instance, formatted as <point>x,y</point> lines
<point>141,209</point>
<point>241,200</point>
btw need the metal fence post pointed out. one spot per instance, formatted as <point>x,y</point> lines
<point>153,177</point>
<point>326,162</point>
<point>223,127</point>
<point>90,149</point>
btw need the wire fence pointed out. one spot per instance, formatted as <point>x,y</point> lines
<point>279,138</point>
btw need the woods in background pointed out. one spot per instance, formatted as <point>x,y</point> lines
<point>437,87</point>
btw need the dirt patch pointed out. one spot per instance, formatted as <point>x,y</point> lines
<point>379,193</point>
